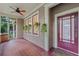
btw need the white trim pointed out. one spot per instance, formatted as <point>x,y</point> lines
<point>31,16</point>
<point>68,51</point>
<point>31,24</point>
<point>34,10</point>
<point>3,33</point>
<point>47,7</point>
<point>9,15</point>
<point>0,24</point>
<point>78,33</point>
<point>14,29</point>
<point>55,28</point>
<point>46,39</point>
<point>13,34</point>
<point>50,5</point>
<point>37,12</point>
<point>0,28</point>
<point>39,26</point>
<point>68,11</point>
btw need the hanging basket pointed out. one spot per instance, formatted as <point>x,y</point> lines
<point>25,28</point>
<point>44,27</point>
<point>29,26</point>
<point>37,24</point>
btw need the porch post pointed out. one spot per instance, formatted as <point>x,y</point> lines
<point>19,28</point>
<point>47,7</point>
<point>47,33</point>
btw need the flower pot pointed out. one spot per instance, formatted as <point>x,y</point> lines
<point>3,38</point>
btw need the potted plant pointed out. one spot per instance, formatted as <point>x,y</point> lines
<point>37,24</point>
<point>29,26</point>
<point>25,28</point>
<point>44,27</point>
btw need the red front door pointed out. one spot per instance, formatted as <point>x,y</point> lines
<point>68,32</point>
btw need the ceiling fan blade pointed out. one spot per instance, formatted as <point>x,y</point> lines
<point>12,8</point>
<point>13,12</point>
<point>21,13</point>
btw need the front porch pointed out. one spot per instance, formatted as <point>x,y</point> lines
<point>48,30</point>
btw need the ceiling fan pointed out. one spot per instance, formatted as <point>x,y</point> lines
<point>18,10</point>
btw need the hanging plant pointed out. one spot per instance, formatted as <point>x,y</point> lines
<point>29,26</point>
<point>36,24</point>
<point>44,27</point>
<point>4,28</point>
<point>25,28</point>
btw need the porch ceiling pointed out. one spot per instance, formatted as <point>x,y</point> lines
<point>5,8</point>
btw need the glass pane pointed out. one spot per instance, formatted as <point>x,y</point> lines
<point>4,19</point>
<point>66,30</point>
<point>35,24</point>
<point>26,25</point>
<point>4,24</point>
<point>10,30</point>
<point>30,25</point>
<point>4,27</point>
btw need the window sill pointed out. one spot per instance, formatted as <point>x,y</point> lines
<point>3,33</point>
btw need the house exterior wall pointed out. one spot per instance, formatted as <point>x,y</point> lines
<point>53,11</point>
<point>37,39</point>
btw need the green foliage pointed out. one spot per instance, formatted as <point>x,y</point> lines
<point>25,28</point>
<point>3,24</point>
<point>29,26</point>
<point>4,28</point>
<point>11,27</point>
<point>36,24</point>
<point>44,28</point>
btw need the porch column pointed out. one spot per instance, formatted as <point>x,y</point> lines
<point>47,7</point>
<point>19,28</point>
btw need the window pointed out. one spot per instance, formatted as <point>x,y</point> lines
<point>66,29</point>
<point>35,19</point>
<point>4,24</point>
<point>30,25</point>
<point>26,25</point>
